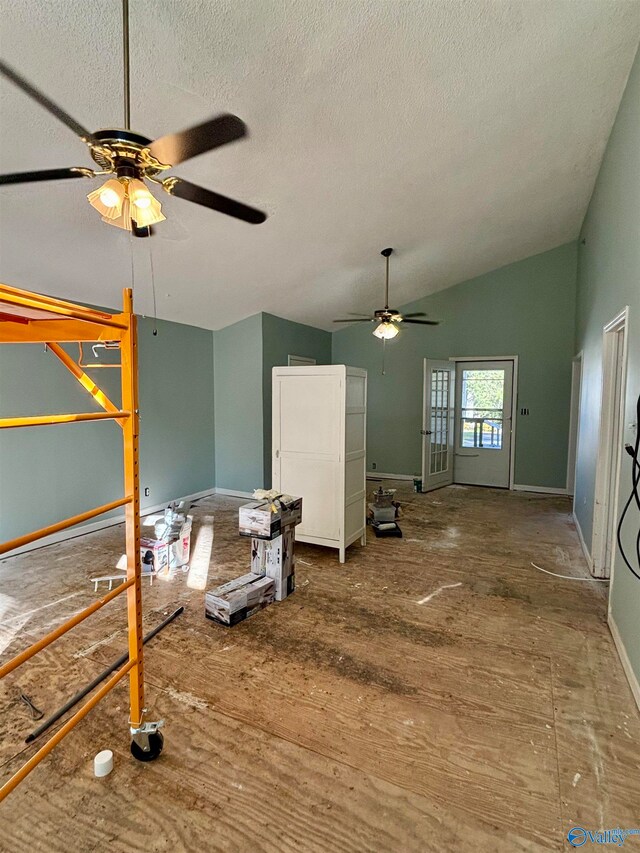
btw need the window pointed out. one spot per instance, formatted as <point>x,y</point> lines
<point>439,421</point>
<point>482,410</point>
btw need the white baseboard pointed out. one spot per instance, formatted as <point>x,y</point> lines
<point>378,475</point>
<point>583,544</point>
<point>632,678</point>
<point>543,490</point>
<point>93,526</point>
<point>232,493</point>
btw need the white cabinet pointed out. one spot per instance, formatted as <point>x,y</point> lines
<point>319,432</point>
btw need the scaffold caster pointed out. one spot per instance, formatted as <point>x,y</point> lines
<point>147,741</point>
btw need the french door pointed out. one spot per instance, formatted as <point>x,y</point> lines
<point>438,424</point>
<point>484,391</point>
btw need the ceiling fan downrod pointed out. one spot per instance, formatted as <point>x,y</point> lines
<point>385,254</point>
<point>125,58</point>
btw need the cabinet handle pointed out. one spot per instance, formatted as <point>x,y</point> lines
<point>277,454</point>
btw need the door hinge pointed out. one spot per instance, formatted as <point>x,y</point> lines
<point>425,432</point>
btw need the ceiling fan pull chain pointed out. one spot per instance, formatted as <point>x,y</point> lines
<point>153,291</point>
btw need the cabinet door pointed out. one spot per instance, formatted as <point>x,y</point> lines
<point>307,448</point>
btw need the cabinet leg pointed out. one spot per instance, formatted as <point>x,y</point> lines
<point>342,555</point>
<point>363,539</point>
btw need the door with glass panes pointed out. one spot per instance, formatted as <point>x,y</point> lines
<point>484,392</point>
<point>437,424</point>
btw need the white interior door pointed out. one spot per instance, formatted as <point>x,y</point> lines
<point>437,424</point>
<point>484,391</point>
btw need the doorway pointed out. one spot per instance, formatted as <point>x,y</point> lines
<point>483,420</point>
<point>614,361</point>
<point>468,428</point>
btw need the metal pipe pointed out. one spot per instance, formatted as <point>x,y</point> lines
<point>125,52</point>
<point>24,771</point>
<point>386,284</point>
<point>45,420</point>
<point>15,662</point>
<point>62,525</point>
<point>82,693</point>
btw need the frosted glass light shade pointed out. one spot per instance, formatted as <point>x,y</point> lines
<point>385,331</point>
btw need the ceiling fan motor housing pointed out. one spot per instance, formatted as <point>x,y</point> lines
<point>125,153</point>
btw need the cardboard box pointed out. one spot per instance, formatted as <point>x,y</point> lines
<point>164,556</point>
<point>154,556</point>
<point>240,598</point>
<point>275,560</point>
<point>257,519</point>
<point>290,511</point>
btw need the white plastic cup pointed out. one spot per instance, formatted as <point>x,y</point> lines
<point>103,763</point>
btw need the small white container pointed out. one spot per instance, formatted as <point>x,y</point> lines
<point>103,763</point>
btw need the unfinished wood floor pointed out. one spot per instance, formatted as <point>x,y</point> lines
<point>436,693</point>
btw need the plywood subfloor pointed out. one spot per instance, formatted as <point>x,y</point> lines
<point>436,693</point>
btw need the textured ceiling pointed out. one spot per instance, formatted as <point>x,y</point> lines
<point>467,134</point>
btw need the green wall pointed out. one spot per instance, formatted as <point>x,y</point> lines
<point>244,355</point>
<point>608,280</point>
<point>280,339</point>
<point>51,473</point>
<point>525,309</point>
<point>239,405</point>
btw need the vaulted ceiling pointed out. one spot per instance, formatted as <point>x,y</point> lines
<point>467,134</point>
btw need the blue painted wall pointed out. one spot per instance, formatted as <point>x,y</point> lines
<point>525,309</point>
<point>54,472</point>
<point>608,280</point>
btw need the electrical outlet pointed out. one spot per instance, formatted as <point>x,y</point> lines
<point>147,491</point>
<point>524,411</point>
<point>373,466</point>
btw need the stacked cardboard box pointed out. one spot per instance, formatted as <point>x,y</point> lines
<point>275,560</point>
<point>271,525</point>
<point>168,550</point>
<point>240,598</point>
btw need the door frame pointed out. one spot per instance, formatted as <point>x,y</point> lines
<point>514,402</point>
<point>574,425</point>
<point>609,459</point>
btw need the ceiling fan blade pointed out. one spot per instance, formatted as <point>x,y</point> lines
<point>423,322</point>
<point>415,314</point>
<point>215,201</point>
<point>358,320</point>
<point>45,175</point>
<point>178,147</point>
<point>45,102</point>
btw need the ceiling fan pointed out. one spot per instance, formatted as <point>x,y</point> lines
<point>388,318</point>
<point>130,160</point>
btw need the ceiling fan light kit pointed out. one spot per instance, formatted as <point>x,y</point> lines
<point>385,330</point>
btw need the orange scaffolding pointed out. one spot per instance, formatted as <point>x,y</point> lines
<point>27,317</point>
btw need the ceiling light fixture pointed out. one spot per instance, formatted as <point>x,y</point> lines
<point>121,200</point>
<point>138,194</point>
<point>385,330</point>
<point>148,215</point>
<point>108,199</point>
